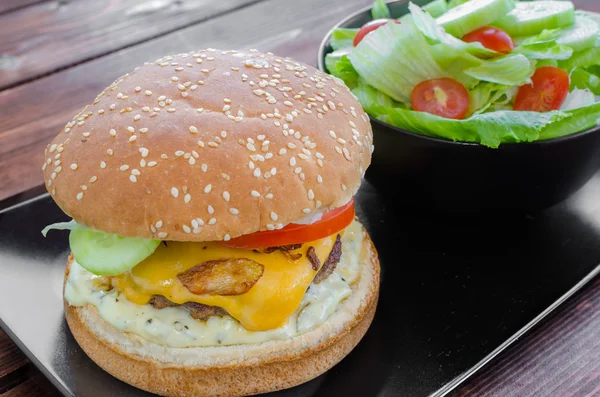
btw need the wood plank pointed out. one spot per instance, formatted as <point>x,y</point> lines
<point>48,36</point>
<point>11,358</point>
<point>36,386</point>
<point>11,5</point>
<point>559,357</point>
<point>53,100</point>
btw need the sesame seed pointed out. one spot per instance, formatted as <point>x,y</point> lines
<point>137,117</point>
<point>274,216</point>
<point>211,210</point>
<point>109,152</point>
<point>175,192</point>
<point>226,196</point>
<point>162,235</point>
<point>212,221</point>
<point>269,196</point>
<point>135,171</point>
<point>193,129</point>
<point>200,143</point>
<point>254,193</point>
<point>344,187</point>
<point>148,92</point>
<point>311,194</point>
<point>332,134</point>
<point>226,238</point>
<point>159,224</point>
<point>151,163</point>
<point>292,161</point>
<point>179,153</point>
<point>73,166</point>
<point>251,147</point>
<point>152,228</point>
<point>102,165</point>
<point>132,178</point>
<point>204,167</point>
<point>79,195</point>
<point>257,172</point>
<point>234,211</point>
<point>306,210</point>
<point>124,167</point>
<point>132,138</point>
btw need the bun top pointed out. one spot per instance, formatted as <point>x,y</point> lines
<point>210,145</point>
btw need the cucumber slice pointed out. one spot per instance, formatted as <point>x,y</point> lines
<point>436,8</point>
<point>531,17</point>
<point>582,35</point>
<point>108,254</point>
<point>473,15</point>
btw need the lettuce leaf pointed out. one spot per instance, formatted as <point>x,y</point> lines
<point>582,79</point>
<point>578,120</point>
<point>71,225</point>
<point>395,58</point>
<point>544,46</point>
<point>489,96</point>
<point>436,8</point>
<point>583,58</point>
<point>436,33</point>
<point>577,99</point>
<point>512,69</point>
<point>342,38</point>
<point>370,97</point>
<point>489,129</point>
<point>338,64</point>
<point>380,10</point>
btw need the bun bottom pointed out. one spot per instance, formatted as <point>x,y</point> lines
<point>227,371</point>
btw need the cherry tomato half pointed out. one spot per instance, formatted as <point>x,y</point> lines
<point>443,97</point>
<point>548,90</point>
<point>371,26</point>
<point>491,38</point>
<point>332,222</point>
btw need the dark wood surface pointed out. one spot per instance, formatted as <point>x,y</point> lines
<point>55,56</point>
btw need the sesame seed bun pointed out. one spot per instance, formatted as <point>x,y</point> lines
<point>210,145</point>
<point>231,370</point>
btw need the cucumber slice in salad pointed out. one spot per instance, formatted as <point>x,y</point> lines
<point>531,17</point>
<point>582,35</point>
<point>436,8</point>
<point>473,15</point>
<point>108,254</point>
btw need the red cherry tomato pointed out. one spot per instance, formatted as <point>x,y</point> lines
<point>491,38</point>
<point>371,26</point>
<point>548,90</point>
<point>332,222</point>
<point>444,97</point>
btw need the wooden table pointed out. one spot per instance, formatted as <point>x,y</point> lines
<point>57,55</point>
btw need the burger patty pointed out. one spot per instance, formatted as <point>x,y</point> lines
<point>202,312</point>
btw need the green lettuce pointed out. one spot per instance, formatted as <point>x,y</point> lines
<point>338,64</point>
<point>395,58</point>
<point>488,97</point>
<point>436,8</point>
<point>512,69</point>
<point>579,119</point>
<point>342,38</point>
<point>488,129</point>
<point>380,10</point>
<point>544,46</point>
<point>370,97</point>
<point>584,58</point>
<point>582,79</point>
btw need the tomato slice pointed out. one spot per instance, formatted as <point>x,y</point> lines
<point>491,38</point>
<point>444,97</point>
<point>332,222</point>
<point>371,26</point>
<point>548,90</point>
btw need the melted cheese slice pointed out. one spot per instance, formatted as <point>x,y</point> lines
<point>267,305</point>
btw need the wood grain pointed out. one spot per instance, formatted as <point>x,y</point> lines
<point>11,358</point>
<point>36,386</point>
<point>53,100</point>
<point>11,5</point>
<point>558,357</point>
<point>48,36</point>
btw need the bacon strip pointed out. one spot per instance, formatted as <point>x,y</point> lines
<point>331,262</point>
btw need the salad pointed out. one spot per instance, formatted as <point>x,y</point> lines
<point>483,71</point>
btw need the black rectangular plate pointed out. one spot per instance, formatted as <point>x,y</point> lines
<point>455,291</point>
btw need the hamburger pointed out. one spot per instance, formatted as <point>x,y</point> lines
<point>214,245</point>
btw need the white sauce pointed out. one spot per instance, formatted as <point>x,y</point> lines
<point>174,327</point>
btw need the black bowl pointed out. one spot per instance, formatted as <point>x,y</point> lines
<point>456,176</point>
